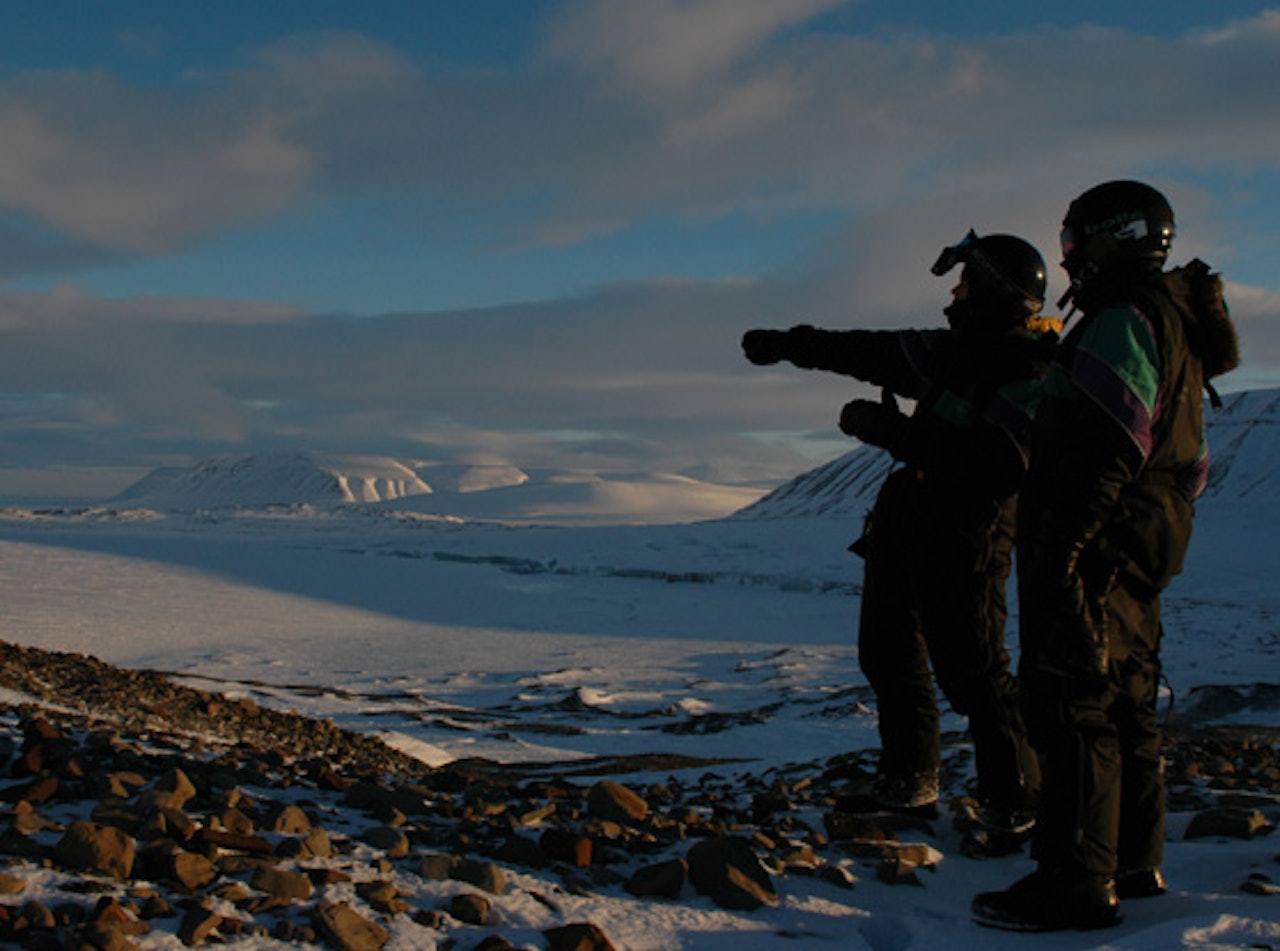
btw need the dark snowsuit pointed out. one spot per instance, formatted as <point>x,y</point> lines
<point>1118,458</point>
<point>938,544</point>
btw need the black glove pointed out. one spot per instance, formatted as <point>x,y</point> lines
<point>763,347</point>
<point>802,345</point>
<point>876,424</point>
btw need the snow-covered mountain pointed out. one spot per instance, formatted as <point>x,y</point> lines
<point>276,478</point>
<point>1242,440</point>
<point>1243,448</point>
<point>497,492</point>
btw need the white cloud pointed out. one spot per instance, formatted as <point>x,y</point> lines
<point>709,107</point>
<point>671,49</point>
<point>693,109</point>
<point>135,170</point>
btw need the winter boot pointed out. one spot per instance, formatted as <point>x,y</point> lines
<point>1050,900</point>
<point>990,831</point>
<point>1140,883</point>
<point>915,795</point>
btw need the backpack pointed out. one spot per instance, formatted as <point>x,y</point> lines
<point>1205,320</point>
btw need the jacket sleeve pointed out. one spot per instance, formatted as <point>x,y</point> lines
<point>1106,407</point>
<point>887,358</point>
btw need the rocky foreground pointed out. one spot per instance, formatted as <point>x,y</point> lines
<point>158,810</point>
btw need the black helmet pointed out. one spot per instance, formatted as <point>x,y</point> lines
<point>1116,226</point>
<point>1004,273</point>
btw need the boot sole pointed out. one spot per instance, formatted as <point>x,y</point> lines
<point>863,805</point>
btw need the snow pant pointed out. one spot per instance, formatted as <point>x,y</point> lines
<point>1102,806</point>
<point>933,599</point>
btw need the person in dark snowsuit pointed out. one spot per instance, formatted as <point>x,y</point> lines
<point>1118,457</point>
<point>937,542</point>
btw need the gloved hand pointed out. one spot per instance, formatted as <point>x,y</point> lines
<point>876,424</point>
<point>763,347</point>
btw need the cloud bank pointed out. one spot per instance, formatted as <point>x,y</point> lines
<point>623,115</point>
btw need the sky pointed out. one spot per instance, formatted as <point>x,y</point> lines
<point>533,232</point>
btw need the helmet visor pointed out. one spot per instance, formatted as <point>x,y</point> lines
<point>1069,240</point>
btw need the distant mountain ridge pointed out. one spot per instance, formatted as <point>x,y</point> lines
<point>291,478</point>
<point>1244,451</point>
<point>490,492</point>
<point>1243,440</point>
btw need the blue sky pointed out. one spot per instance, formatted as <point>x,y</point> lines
<point>460,231</point>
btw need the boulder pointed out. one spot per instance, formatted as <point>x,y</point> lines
<point>91,847</point>
<point>345,929</point>
<point>610,800</point>
<point>659,880</point>
<point>727,870</point>
<point>577,936</point>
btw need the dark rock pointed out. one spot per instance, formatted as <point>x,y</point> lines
<point>659,880</point>
<point>253,844</point>
<point>438,867</point>
<point>109,913</point>
<point>564,845</point>
<point>610,800</point>
<point>517,850</point>
<point>1229,822</point>
<point>483,875</point>
<point>88,846</point>
<point>389,840</point>
<point>198,925</point>
<point>577,936</point>
<point>470,908</point>
<point>278,883</point>
<point>727,870</point>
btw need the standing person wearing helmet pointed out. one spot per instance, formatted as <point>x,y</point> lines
<point>1104,519</point>
<point>937,544</point>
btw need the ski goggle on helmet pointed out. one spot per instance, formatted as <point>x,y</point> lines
<point>998,265</point>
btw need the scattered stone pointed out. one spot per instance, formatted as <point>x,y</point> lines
<point>180,807</point>
<point>610,800</point>
<point>915,854</point>
<point>577,936</point>
<point>111,914</point>
<point>198,925</point>
<point>291,820</point>
<point>659,880</point>
<point>483,875</point>
<point>727,870</point>
<point>837,875</point>
<point>388,839</point>
<point>517,850</point>
<point>471,908</point>
<point>234,841</point>
<point>438,867</point>
<point>1259,884</point>
<point>1229,822</point>
<point>345,929</point>
<point>279,883</point>
<point>852,825</point>
<point>101,937</point>
<point>90,847</point>
<point>565,845</point>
